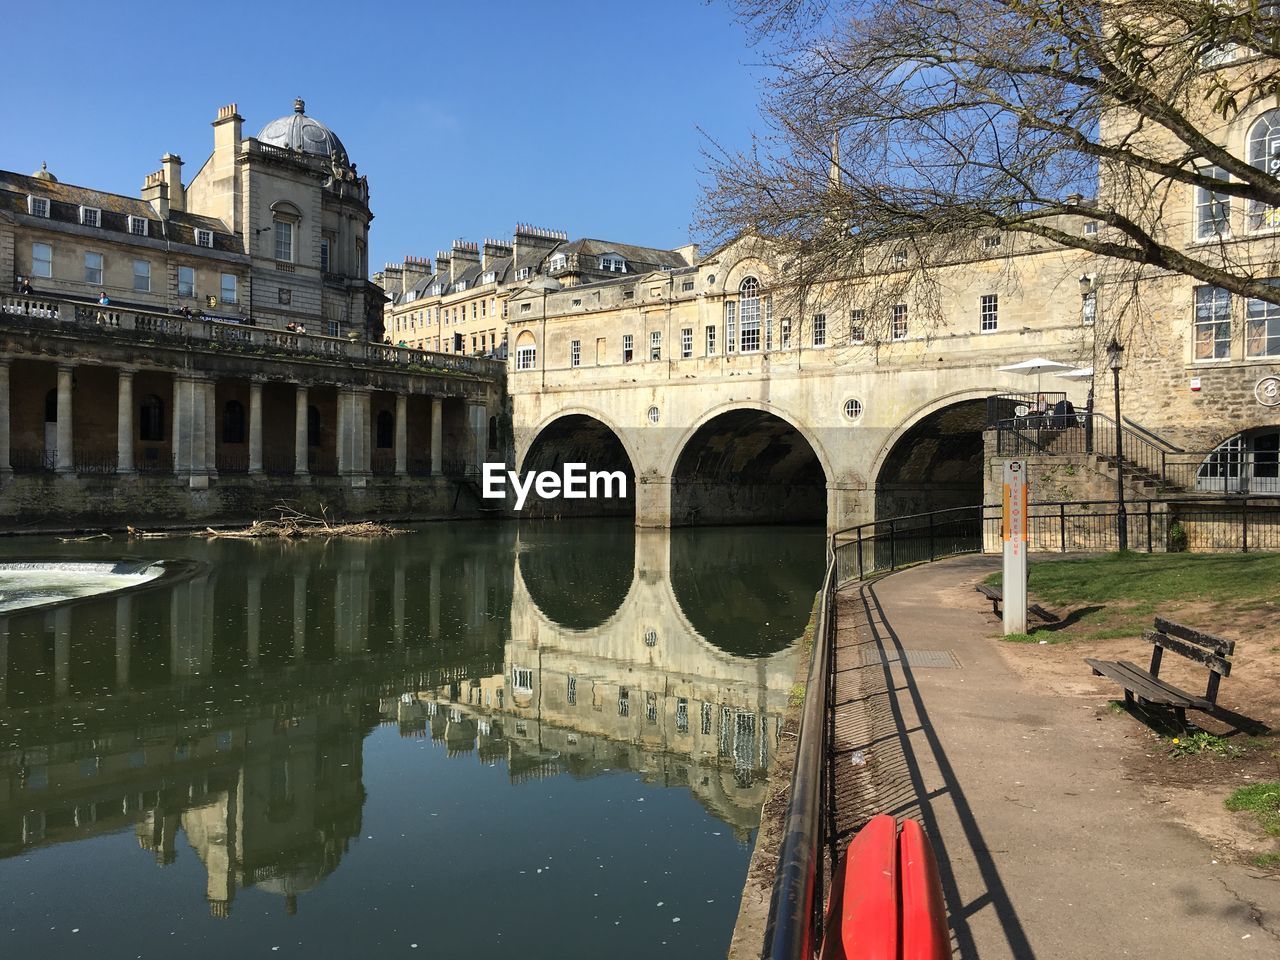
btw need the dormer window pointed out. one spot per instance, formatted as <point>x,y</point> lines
<point>460,286</point>
<point>489,277</point>
<point>613,264</point>
<point>204,238</point>
<point>38,206</point>
<point>138,226</point>
<point>523,273</point>
<point>900,256</point>
<point>558,262</point>
<point>437,289</point>
<point>90,216</point>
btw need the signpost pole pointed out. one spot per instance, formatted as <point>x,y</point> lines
<point>1014,530</point>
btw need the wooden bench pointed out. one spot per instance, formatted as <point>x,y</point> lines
<point>1203,648</point>
<point>996,596</point>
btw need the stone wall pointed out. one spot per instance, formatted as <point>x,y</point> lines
<point>51,502</point>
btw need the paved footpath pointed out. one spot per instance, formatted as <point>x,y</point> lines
<point>1046,849</point>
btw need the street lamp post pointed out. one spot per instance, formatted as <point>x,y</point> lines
<point>1114,354</point>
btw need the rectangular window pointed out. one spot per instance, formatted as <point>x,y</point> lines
<point>785,333</point>
<point>1089,308</point>
<point>38,206</point>
<point>655,345</point>
<point>628,348</point>
<point>989,312</point>
<point>991,241</point>
<point>686,286</point>
<point>186,281</point>
<point>41,260</point>
<point>706,719</point>
<point>571,694</point>
<point>750,329</point>
<point>900,256</point>
<point>284,241</point>
<point>91,216</point>
<point>324,254</point>
<point>1213,209</point>
<point>819,329</point>
<point>651,707</point>
<point>711,340</point>
<point>1213,324</point>
<point>899,330</point>
<point>857,326</point>
<point>138,226</point>
<point>624,702</point>
<point>525,307</point>
<point>204,238</point>
<point>332,328</point>
<point>768,322</point>
<point>142,276</point>
<point>228,288</point>
<point>686,343</point>
<point>730,327</point>
<point>682,715</point>
<point>93,268</point>
<point>575,353</point>
<point>1090,228</point>
<point>1262,329</point>
<point>473,309</point>
<point>526,357</point>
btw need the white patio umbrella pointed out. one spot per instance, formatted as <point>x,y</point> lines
<point>1081,373</point>
<point>1037,366</point>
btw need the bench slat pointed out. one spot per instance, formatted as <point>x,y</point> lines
<point>1219,645</point>
<point>990,592</point>
<point>1206,658</point>
<point>1149,688</point>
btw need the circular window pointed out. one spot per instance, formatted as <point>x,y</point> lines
<point>654,415</point>
<point>711,280</point>
<point>853,408</point>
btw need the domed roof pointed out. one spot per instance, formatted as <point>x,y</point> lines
<point>300,132</point>
<point>44,174</point>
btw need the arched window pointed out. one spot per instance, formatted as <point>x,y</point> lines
<point>493,433</point>
<point>526,351</point>
<point>1249,462</point>
<point>749,314</point>
<point>1264,153</point>
<point>151,419</point>
<point>233,422</point>
<point>51,407</point>
<point>386,430</point>
<point>313,426</point>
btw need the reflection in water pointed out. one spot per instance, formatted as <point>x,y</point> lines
<point>238,712</point>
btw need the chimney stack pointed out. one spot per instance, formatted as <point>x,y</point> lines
<point>531,240</point>
<point>171,163</point>
<point>493,251</point>
<point>156,192</point>
<point>465,255</point>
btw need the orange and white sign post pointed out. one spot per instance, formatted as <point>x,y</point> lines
<point>1014,531</point>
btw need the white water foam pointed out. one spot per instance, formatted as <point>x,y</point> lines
<point>30,583</point>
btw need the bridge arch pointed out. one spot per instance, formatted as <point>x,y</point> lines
<point>748,462</point>
<point>935,459</point>
<point>579,435</point>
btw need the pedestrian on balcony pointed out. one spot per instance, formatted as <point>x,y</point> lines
<point>24,285</point>
<point>103,299</point>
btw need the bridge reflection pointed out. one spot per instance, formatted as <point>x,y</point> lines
<point>233,707</point>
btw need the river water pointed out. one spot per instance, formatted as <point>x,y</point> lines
<point>544,740</point>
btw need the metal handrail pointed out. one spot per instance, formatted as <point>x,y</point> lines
<point>796,905</point>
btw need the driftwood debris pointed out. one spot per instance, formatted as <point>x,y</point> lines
<point>292,524</point>
<point>93,536</point>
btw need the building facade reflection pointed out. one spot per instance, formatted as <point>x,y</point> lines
<point>224,716</point>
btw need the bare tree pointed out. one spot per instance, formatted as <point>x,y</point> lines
<point>931,124</point>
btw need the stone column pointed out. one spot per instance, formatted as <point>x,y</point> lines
<point>364,400</point>
<point>124,422</point>
<point>300,467</point>
<point>211,428</point>
<point>255,426</point>
<point>402,435</point>
<point>124,638</point>
<point>478,428</point>
<point>345,434</point>
<point>189,427</point>
<point>653,503</point>
<point>6,469</point>
<point>66,454</point>
<point>437,436</point>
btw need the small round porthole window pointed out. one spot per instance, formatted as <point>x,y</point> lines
<point>711,280</point>
<point>654,415</point>
<point>853,408</point>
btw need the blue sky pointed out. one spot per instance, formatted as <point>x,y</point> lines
<point>466,117</point>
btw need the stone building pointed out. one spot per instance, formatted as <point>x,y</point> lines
<point>459,304</point>
<point>212,347</point>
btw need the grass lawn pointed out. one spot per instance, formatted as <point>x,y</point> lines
<point>1120,592</point>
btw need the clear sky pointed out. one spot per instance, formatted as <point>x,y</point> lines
<point>465,116</point>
